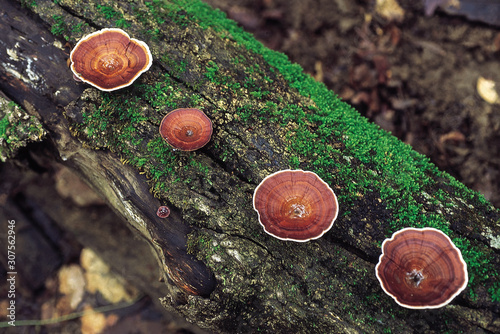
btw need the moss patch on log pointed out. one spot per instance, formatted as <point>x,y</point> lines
<point>17,129</point>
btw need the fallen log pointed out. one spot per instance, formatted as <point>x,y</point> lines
<point>224,273</point>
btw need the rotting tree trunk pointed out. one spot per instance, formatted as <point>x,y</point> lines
<point>223,272</point>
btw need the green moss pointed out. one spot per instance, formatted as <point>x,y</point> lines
<point>175,68</point>
<point>109,13</point>
<point>479,267</point>
<point>78,28</point>
<point>59,27</point>
<point>28,3</point>
<point>4,124</point>
<point>212,73</point>
<point>17,129</point>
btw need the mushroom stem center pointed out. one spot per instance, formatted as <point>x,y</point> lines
<point>415,277</point>
<point>109,64</point>
<point>163,212</point>
<point>297,210</point>
<point>189,133</point>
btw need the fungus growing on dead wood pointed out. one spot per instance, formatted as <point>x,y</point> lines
<point>163,211</point>
<point>421,268</point>
<point>186,129</point>
<point>295,205</point>
<point>109,59</point>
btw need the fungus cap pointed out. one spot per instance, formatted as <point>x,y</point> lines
<point>163,211</point>
<point>421,268</point>
<point>295,205</point>
<point>109,59</point>
<point>186,129</point>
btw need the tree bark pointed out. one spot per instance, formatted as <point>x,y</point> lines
<point>223,272</point>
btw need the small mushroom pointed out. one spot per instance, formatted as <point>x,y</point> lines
<point>163,211</point>
<point>421,268</point>
<point>295,205</point>
<point>109,59</point>
<point>186,129</point>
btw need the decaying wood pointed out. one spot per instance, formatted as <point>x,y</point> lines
<point>223,272</point>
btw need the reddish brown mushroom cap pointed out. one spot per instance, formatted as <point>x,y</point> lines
<point>163,211</point>
<point>186,129</point>
<point>109,59</point>
<point>295,205</point>
<point>421,268</point>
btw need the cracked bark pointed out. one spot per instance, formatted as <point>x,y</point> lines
<point>222,271</point>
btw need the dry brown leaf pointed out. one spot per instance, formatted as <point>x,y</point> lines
<point>3,308</point>
<point>69,185</point>
<point>486,89</point>
<point>100,278</point>
<point>318,68</point>
<point>93,322</point>
<point>452,135</point>
<point>112,320</point>
<point>72,284</point>
<point>390,10</point>
<point>48,310</point>
<point>431,5</point>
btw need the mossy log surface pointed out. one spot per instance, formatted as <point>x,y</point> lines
<point>223,271</point>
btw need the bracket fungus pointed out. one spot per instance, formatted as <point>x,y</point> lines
<point>163,211</point>
<point>421,268</point>
<point>186,129</point>
<point>295,205</point>
<point>109,59</point>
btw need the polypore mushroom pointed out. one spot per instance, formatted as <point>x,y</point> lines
<point>421,268</point>
<point>186,129</point>
<point>163,211</point>
<point>295,205</point>
<point>109,59</point>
